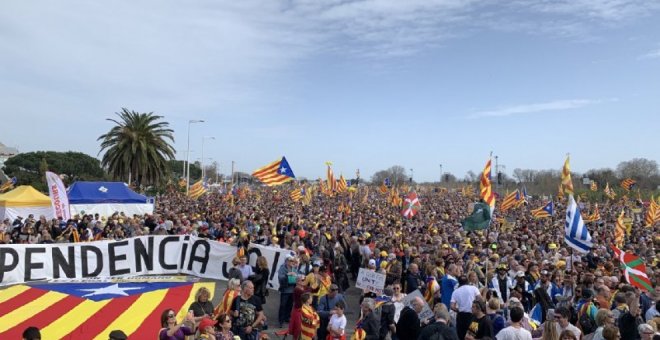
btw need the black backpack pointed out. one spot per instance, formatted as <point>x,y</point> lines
<point>587,324</point>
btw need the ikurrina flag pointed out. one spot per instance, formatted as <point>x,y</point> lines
<point>411,205</point>
<point>635,269</point>
<point>93,310</point>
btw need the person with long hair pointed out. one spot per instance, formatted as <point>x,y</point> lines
<point>567,335</point>
<point>202,307</point>
<point>171,330</point>
<point>550,330</point>
<point>233,290</point>
<point>224,325</point>
<point>260,278</point>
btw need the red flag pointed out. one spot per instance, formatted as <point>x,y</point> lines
<point>411,205</point>
<point>635,269</point>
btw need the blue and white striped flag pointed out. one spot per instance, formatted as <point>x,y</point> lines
<point>576,234</point>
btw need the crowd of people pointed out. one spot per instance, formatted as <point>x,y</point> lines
<point>515,280</point>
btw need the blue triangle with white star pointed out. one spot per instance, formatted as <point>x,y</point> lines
<point>107,290</point>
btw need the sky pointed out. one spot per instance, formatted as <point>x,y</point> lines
<point>366,84</point>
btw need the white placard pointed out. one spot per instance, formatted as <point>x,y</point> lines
<point>426,311</point>
<point>371,281</point>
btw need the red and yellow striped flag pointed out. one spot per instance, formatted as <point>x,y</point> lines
<point>510,200</point>
<point>486,192</point>
<point>566,181</point>
<point>652,213</point>
<point>331,183</point>
<point>310,323</point>
<point>224,307</point>
<point>93,310</point>
<point>341,184</point>
<point>619,231</point>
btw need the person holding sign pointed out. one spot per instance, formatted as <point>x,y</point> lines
<point>409,324</point>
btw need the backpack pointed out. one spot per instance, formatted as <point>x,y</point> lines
<point>587,324</point>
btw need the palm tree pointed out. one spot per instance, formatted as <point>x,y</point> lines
<point>137,147</point>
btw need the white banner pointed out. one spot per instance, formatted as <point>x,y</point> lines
<point>145,255</point>
<point>370,281</point>
<point>58,197</point>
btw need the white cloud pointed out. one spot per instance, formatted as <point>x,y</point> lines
<point>557,105</point>
<point>654,54</point>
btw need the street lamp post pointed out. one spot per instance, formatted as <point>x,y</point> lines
<point>188,155</point>
<point>203,139</point>
<point>440,173</point>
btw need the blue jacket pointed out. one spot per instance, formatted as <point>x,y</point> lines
<point>283,278</point>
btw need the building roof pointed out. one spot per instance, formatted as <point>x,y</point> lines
<point>7,151</point>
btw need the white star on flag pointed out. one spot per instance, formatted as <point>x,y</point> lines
<point>109,290</point>
<point>103,189</point>
<point>283,170</point>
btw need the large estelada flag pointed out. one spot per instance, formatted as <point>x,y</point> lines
<point>93,310</point>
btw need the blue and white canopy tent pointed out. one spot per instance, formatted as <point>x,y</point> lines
<point>106,198</point>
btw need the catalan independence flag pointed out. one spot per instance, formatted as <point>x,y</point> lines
<point>628,184</point>
<point>8,185</point>
<point>545,211</point>
<point>510,200</point>
<point>342,185</point>
<point>93,310</point>
<point>275,173</point>
<point>296,194</point>
<point>652,213</point>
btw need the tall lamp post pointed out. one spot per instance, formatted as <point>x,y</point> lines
<point>203,139</point>
<point>188,154</point>
<point>440,173</point>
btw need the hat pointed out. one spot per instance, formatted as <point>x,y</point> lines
<point>206,322</point>
<point>316,263</point>
<point>334,287</point>
<point>552,246</point>
<point>118,335</point>
<point>372,262</point>
<point>520,273</point>
<point>383,253</point>
<point>383,264</point>
<point>501,266</point>
<point>545,272</point>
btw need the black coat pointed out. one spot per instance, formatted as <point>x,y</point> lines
<point>408,325</point>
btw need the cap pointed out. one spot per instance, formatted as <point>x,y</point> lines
<point>334,287</point>
<point>552,246</point>
<point>545,272</point>
<point>118,335</point>
<point>372,262</point>
<point>206,322</point>
<point>383,253</point>
<point>520,274</point>
<point>383,264</point>
<point>316,263</point>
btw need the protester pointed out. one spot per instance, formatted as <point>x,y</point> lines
<point>171,329</point>
<point>515,330</point>
<point>287,278</point>
<point>408,325</point>
<point>369,323</point>
<point>247,312</point>
<point>31,333</point>
<point>233,290</point>
<point>481,327</point>
<point>260,277</point>
<point>224,325</point>
<point>202,307</point>
<point>327,309</point>
<point>309,318</point>
<point>440,327</point>
<point>117,334</point>
<point>461,302</point>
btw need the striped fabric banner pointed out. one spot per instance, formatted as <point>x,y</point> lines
<point>64,311</point>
